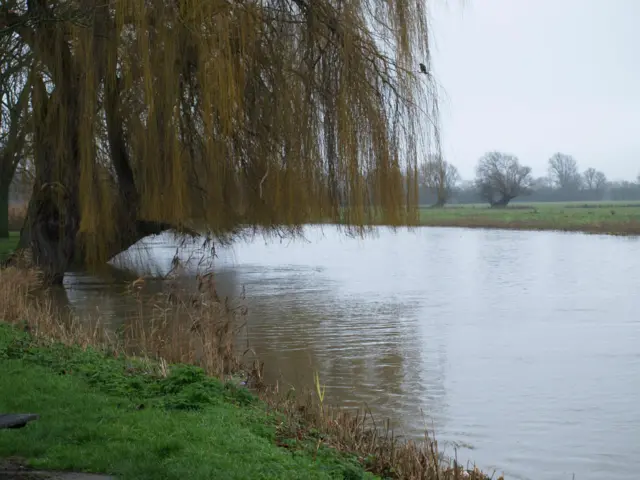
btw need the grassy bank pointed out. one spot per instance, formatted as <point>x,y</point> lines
<point>134,419</point>
<point>173,410</point>
<point>608,218</point>
<point>7,245</point>
<point>604,218</point>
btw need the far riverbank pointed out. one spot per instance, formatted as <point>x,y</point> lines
<point>595,218</point>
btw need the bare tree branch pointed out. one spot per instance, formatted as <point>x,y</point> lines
<point>500,178</point>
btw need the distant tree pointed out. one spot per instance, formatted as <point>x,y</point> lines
<point>623,190</point>
<point>588,178</point>
<point>500,178</point>
<point>440,178</point>
<point>542,183</point>
<point>541,191</point>
<point>465,192</point>
<point>601,181</point>
<point>594,180</point>
<point>563,171</point>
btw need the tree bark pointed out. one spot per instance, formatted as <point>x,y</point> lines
<point>53,216</point>
<point>442,195</point>
<point>50,232</point>
<point>50,228</point>
<point>4,209</point>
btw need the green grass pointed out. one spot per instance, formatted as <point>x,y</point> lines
<point>622,218</point>
<point>7,245</point>
<point>119,416</point>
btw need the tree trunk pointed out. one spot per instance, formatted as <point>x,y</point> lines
<point>53,218</point>
<point>49,235</point>
<point>50,231</point>
<point>130,237</point>
<point>4,210</point>
<point>441,197</point>
<point>501,203</point>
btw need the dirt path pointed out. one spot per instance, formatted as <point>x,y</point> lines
<point>14,470</point>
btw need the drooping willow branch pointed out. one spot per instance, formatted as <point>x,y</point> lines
<point>216,114</point>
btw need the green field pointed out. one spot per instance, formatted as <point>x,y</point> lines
<point>619,218</point>
<point>8,244</point>
<point>124,417</point>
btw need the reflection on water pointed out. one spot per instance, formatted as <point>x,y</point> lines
<point>521,348</point>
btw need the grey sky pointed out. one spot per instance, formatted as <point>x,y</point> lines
<point>532,77</point>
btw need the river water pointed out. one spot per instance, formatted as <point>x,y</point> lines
<point>521,350</point>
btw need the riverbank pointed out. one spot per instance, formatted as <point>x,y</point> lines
<point>605,218</point>
<point>130,418</point>
<point>165,415</point>
<point>596,218</point>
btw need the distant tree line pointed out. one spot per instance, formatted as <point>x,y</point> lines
<point>501,179</point>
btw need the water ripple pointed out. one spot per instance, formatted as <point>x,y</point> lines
<point>520,349</point>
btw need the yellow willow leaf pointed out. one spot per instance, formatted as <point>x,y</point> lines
<point>227,114</point>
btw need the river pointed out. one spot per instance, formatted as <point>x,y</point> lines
<point>521,350</point>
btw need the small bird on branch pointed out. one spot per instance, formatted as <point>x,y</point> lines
<point>423,69</point>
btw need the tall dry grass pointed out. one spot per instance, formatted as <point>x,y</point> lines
<point>179,326</point>
<point>22,303</point>
<point>176,326</point>
<point>200,328</point>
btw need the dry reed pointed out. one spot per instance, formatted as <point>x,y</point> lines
<point>183,327</point>
<point>22,302</point>
<point>200,328</point>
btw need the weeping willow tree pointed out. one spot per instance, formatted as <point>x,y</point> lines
<point>216,115</point>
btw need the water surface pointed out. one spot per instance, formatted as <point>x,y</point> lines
<point>520,349</point>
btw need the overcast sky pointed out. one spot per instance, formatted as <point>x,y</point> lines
<point>532,77</point>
